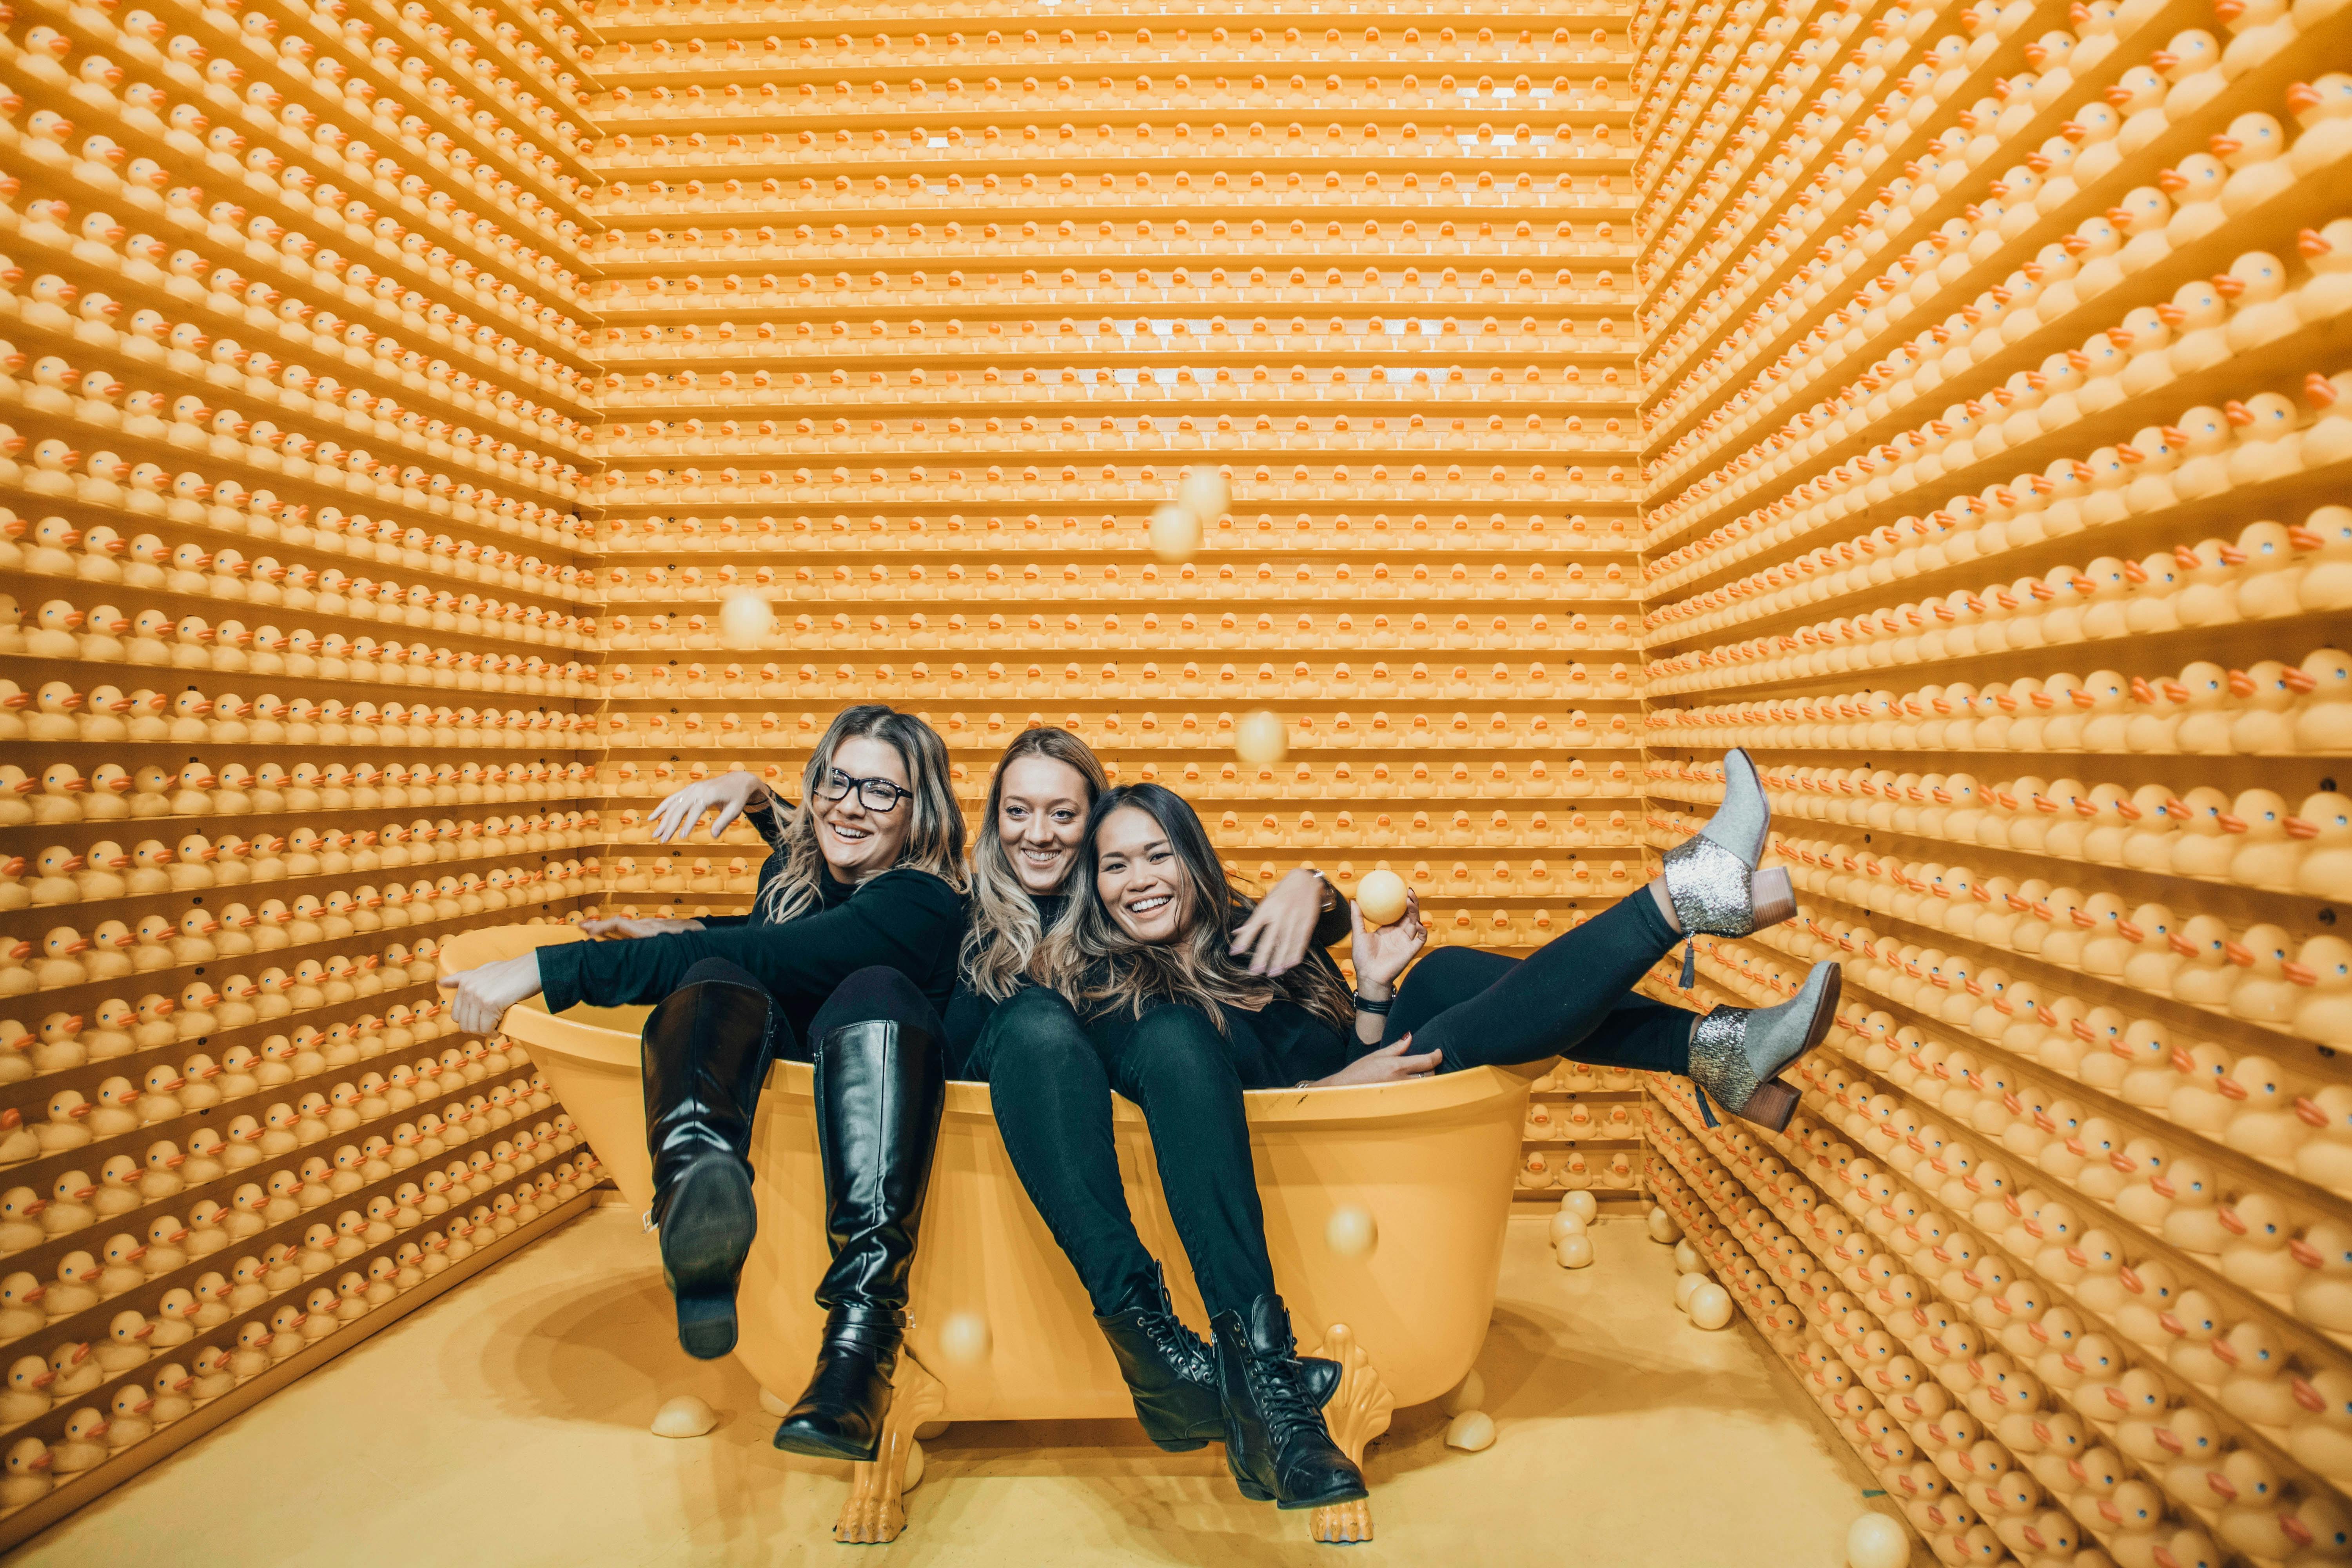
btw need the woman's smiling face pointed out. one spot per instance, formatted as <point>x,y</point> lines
<point>1041,818</point>
<point>1138,876</point>
<point>856,841</point>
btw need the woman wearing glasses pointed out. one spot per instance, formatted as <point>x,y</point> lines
<point>847,959</point>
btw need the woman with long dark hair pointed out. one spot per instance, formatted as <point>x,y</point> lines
<point>847,959</point>
<point>1050,1087</point>
<point>1143,955</point>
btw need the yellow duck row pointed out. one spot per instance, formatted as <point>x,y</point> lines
<point>2252,839</point>
<point>2269,709</point>
<point>620,539</point>
<point>2106,131</point>
<point>2152,1306</point>
<point>138,1404</point>
<point>1992,1451</point>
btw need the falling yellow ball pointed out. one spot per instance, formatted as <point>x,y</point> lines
<point>1352,1232</point>
<point>1260,739</point>
<point>746,618</point>
<point>964,1338</point>
<point>1381,896</point>
<point>1175,534</point>
<point>1205,495</point>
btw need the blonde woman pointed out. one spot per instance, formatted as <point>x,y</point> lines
<point>846,959</point>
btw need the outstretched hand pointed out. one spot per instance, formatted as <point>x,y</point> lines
<point>636,925</point>
<point>484,993</point>
<point>722,799</point>
<point>1389,1064</point>
<point>1279,932</point>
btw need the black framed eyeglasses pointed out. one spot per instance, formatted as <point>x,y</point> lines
<point>879,795</point>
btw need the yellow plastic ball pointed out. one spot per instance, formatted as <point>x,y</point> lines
<point>1381,896</point>
<point>965,1338</point>
<point>1874,1540</point>
<point>1205,493</point>
<point>1710,1306</point>
<point>1175,534</point>
<point>1260,739</point>
<point>1352,1232</point>
<point>747,619</point>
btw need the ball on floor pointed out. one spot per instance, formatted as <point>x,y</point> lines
<point>1581,1204</point>
<point>1710,1306</point>
<point>684,1416</point>
<point>1686,1259</point>
<point>1470,1431</point>
<point>1683,1285</point>
<point>1875,1540</point>
<point>1564,1224</point>
<point>1663,1228</point>
<point>1574,1250</point>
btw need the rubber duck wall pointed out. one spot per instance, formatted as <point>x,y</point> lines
<point>294,624</point>
<point>1595,390</point>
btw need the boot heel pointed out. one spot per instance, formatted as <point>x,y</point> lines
<point>1773,1105</point>
<point>704,1236</point>
<point>1772,897</point>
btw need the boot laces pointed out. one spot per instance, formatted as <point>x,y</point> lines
<point>1178,1345</point>
<point>1282,1398</point>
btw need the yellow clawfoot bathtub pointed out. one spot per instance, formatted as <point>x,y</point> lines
<point>1001,1328</point>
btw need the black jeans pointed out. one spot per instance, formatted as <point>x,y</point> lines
<point>867,995</point>
<point>1051,1088</point>
<point>1572,998</point>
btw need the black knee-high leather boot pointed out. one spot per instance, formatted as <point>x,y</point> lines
<point>1276,1445</point>
<point>705,1059</point>
<point>879,1091</point>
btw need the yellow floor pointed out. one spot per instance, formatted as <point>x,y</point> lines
<point>507,1424</point>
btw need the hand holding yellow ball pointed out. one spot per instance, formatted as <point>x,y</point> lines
<point>1382,898</point>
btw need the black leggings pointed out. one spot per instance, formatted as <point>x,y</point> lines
<point>1051,1085</point>
<point>867,995</point>
<point>1574,997</point>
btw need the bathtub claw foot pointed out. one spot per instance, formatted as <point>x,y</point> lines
<point>876,1513</point>
<point>1358,1412</point>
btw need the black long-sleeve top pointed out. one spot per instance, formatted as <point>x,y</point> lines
<point>969,1012</point>
<point>905,920</point>
<point>1280,1044</point>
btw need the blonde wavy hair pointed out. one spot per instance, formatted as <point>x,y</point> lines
<point>1002,942</point>
<point>934,835</point>
<point>1091,959</point>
